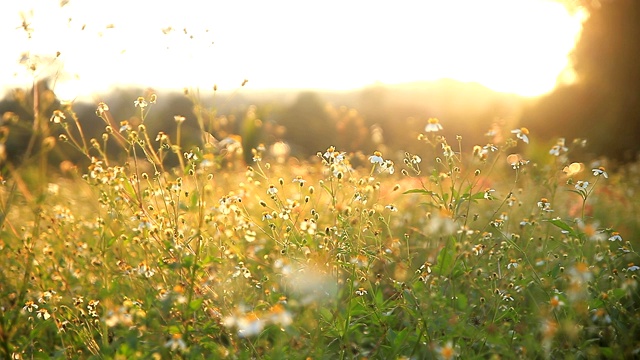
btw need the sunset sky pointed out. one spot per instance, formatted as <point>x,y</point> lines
<point>510,46</point>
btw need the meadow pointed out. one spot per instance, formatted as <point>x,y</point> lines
<point>497,250</point>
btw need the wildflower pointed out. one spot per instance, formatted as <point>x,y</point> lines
<point>30,306</point>
<point>581,185</point>
<point>376,158</point>
<point>425,268</point>
<point>490,147</point>
<point>433,125</point>
<point>559,148</point>
<point>140,102</point>
<point>522,134</point>
<point>600,316</point>
<point>102,108</point>
<point>43,314</point>
<point>615,236</point>
<point>624,250</point>
<point>580,273</point>
<point>555,302</point>
<point>497,223</point>
<point>124,126</point>
<point>272,190</point>
<point>391,207</point>
<point>480,152</point>
<point>334,157</point>
<point>478,249</point>
<point>415,159</point>
<point>309,226</point>
<point>632,267</point>
<point>280,316</point>
<point>361,291</point>
<point>600,171</point>
<point>46,296</point>
<point>516,161</point>
<point>360,260</point>
<point>513,263</point>
<point>447,151</point>
<point>266,216</point>
<point>487,194</point>
<point>179,119</point>
<point>175,342</point>
<point>506,296</point>
<point>162,137</point>
<point>545,205</point>
<point>247,324</point>
<point>591,231</point>
<point>299,180</point>
<point>57,117</point>
<point>447,351</point>
<point>387,166</point>
<point>93,304</point>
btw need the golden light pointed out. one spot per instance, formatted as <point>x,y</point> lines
<point>509,46</point>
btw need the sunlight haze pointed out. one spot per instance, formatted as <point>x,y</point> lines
<point>508,46</point>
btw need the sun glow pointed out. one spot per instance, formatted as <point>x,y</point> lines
<point>510,46</point>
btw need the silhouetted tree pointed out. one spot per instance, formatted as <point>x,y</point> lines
<point>604,104</point>
<point>309,127</point>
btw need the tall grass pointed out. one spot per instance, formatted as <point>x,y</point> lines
<point>461,252</point>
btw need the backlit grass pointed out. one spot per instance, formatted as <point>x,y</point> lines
<point>464,251</point>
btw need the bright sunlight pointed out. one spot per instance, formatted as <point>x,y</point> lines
<point>509,46</point>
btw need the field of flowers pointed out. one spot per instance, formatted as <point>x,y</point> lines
<point>465,251</point>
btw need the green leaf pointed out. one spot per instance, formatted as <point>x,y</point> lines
<point>418,191</point>
<point>446,258</point>
<point>195,304</point>
<point>462,301</point>
<point>477,196</point>
<point>193,200</point>
<point>564,226</point>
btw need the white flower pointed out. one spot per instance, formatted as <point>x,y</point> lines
<point>615,236</point>
<point>43,314</point>
<point>140,102</point>
<point>176,343</point>
<point>387,166</point>
<point>522,134</point>
<point>376,158</point>
<point>516,161</point>
<point>272,190</point>
<point>433,125</point>
<point>361,292</point>
<point>581,185</point>
<point>600,171</point>
<point>487,194</point>
<point>545,205</point>
<point>558,148</point>
<point>490,147</point>
<point>299,180</point>
<point>57,117</point>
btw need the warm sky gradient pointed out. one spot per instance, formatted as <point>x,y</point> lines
<point>518,46</point>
